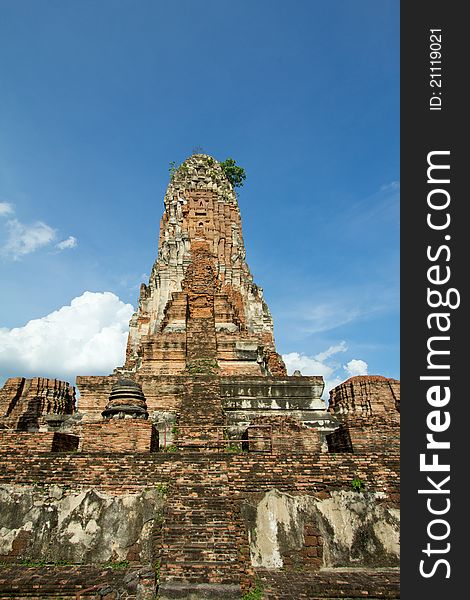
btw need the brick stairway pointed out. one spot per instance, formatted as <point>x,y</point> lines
<point>203,540</point>
<point>201,416</point>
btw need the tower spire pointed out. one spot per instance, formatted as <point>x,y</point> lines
<point>201,246</point>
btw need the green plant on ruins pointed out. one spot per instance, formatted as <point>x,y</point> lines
<point>173,168</point>
<point>162,488</point>
<point>235,174</point>
<point>171,448</point>
<point>255,593</point>
<point>357,484</point>
<point>157,567</point>
<point>233,449</point>
<point>32,563</point>
<point>122,564</point>
<point>202,366</point>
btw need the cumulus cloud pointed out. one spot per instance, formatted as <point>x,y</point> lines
<point>307,365</point>
<point>6,209</point>
<point>332,373</point>
<point>87,337</point>
<point>356,367</point>
<point>23,239</point>
<point>70,242</point>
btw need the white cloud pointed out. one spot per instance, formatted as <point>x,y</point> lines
<point>356,367</point>
<point>23,239</point>
<point>331,372</point>
<point>70,242</point>
<point>6,209</point>
<point>348,304</point>
<point>87,337</point>
<point>341,347</point>
<point>391,186</point>
<point>307,365</point>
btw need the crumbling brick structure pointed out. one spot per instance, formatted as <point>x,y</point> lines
<point>199,469</point>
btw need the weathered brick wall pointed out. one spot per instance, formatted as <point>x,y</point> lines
<point>365,395</point>
<point>25,403</point>
<point>372,584</point>
<point>38,441</point>
<point>339,440</point>
<point>373,433</point>
<point>208,488</point>
<point>120,435</point>
<point>367,407</point>
<point>74,582</point>
<point>282,435</point>
<point>162,393</point>
<point>309,474</point>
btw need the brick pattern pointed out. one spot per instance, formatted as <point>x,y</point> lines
<point>76,581</point>
<point>296,473</point>
<point>120,435</point>
<point>24,403</point>
<point>373,584</point>
<point>203,538</point>
<point>365,395</point>
<point>310,557</point>
<point>38,441</point>
<point>200,414</point>
<point>286,436</point>
<point>367,408</point>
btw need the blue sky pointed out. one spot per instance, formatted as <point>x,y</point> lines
<point>97,98</point>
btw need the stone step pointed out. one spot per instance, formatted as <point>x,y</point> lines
<point>223,561</point>
<point>176,590</point>
<point>224,547</point>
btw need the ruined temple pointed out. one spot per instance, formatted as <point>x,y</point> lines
<point>199,469</point>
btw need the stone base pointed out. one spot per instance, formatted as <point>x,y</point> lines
<point>198,591</point>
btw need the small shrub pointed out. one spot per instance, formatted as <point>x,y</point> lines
<point>233,449</point>
<point>202,366</point>
<point>157,567</point>
<point>357,484</point>
<point>173,168</point>
<point>171,448</point>
<point>32,563</point>
<point>235,174</point>
<point>255,593</point>
<point>122,564</point>
<point>162,488</point>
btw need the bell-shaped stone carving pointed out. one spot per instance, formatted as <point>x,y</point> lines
<point>126,400</point>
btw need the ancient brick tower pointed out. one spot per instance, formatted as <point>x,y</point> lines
<point>201,314</point>
<point>199,469</point>
<point>201,308</point>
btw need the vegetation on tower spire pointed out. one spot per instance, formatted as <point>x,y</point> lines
<point>235,174</point>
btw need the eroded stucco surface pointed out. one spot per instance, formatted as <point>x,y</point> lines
<point>353,528</point>
<point>56,524</point>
